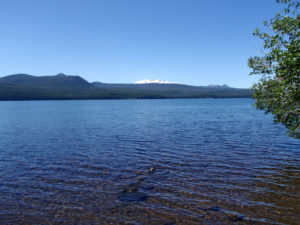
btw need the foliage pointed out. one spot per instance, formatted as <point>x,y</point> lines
<point>278,90</point>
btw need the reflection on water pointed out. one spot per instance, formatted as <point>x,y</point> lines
<point>209,161</point>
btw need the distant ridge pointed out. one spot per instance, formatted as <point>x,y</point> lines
<point>61,86</point>
<point>58,81</point>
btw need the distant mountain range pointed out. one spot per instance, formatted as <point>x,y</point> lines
<point>61,86</point>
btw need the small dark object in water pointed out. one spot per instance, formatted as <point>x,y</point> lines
<point>151,170</point>
<point>215,208</point>
<point>236,218</point>
<point>147,187</point>
<point>132,197</point>
<point>130,190</point>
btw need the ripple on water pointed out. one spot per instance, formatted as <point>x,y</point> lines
<point>214,161</point>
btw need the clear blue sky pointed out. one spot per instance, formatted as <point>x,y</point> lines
<point>196,42</point>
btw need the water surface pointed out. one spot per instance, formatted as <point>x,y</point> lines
<point>200,161</point>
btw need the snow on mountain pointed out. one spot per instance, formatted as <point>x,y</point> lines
<point>217,85</point>
<point>157,81</point>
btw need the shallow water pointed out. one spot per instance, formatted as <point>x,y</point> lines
<point>200,161</point>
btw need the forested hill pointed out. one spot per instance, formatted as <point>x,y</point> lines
<point>61,86</point>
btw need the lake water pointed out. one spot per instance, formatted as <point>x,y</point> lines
<point>195,161</point>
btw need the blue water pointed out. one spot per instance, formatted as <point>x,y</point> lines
<point>213,161</point>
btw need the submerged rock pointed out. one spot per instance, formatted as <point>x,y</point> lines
<point>236,218</point>
<point>215,208</point>
<point>131,192</point>
<point>141,178</point>
<point>147,187</point>
<point>132,197</point>
<point>133,187</point>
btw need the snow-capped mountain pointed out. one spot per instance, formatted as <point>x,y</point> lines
<point>217,85</point>
<point>157,81</point>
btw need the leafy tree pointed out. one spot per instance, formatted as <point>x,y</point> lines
<point>278,90</point>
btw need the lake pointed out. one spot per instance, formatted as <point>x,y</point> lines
<point>192,161</point>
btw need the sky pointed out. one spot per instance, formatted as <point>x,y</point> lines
<point>196,42</point>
